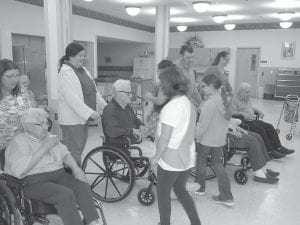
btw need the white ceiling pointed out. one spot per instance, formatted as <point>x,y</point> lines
<point>240,11</point>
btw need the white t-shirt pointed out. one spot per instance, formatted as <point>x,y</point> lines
<point>176,113</point>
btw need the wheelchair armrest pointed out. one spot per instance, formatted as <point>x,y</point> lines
<point>238,117</point>
<point>11,180</point>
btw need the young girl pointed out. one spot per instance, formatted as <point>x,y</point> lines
<point>211,137</point>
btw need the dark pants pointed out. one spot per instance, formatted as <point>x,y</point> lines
<point>64,192</point>
<point>267,132</point>
<point>176,179</point>
<point>75,137</point>
<point>217,163</point>
<point>256,149</point>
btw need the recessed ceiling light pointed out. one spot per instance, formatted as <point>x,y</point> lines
<point>285,25</point>
<point>181,28</point>
<point>285,16</point>
<point>133,10</point>
<point>201,6</point>
<point>88,0</point>
<point>219,18</point>
<point>229,26</point>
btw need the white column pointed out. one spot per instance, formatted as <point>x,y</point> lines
<point>162,24</point>
<point>58,28</point>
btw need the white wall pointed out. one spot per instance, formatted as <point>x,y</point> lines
<point>18,17</point>
<point>121,54</point>
<point>269,41</point>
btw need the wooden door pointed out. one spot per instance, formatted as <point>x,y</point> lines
<point>247,68</point>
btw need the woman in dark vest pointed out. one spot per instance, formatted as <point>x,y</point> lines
<point>78,98</point>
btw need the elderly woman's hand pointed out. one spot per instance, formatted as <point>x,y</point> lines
<point>51,141</point>
<point>80,175</point>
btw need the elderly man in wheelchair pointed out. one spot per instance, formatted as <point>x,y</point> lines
<point>113,167</point>
<point>38,159</point>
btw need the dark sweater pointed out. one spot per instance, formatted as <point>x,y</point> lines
<point>118,121</point>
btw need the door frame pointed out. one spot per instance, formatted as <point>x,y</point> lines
<point>258,65</point>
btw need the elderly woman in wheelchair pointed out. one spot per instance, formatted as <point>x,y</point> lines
<point>241,106</point>
<point>38,159</point>
<point>240,141</point>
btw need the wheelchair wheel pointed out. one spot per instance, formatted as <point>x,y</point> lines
<point>210,172</point>
<point>8,211</point>
<point>110,173</point>
<point>146,197</point>
<point>240,176</point>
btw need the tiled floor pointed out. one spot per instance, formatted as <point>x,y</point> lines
<point>255,203</point>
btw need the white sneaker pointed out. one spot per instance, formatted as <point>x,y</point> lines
<point>192,186</point>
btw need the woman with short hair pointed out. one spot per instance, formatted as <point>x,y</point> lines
<point>241,105</point>
<point>175,146</point>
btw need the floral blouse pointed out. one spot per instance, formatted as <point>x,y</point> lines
<point>11,109</point>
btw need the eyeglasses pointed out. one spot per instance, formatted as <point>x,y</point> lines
<point>127,92</point>
<point>12,76</point>
<point>45,124</point>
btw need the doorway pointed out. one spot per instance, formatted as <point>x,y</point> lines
<point>247,68</point>
<point>29,54</point>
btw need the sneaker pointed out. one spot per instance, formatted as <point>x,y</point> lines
<point>200,191</point>
<point>192,186</point>
<point>272,173</point>
<point>285,150</point>
<point>216,199</point>
<point>276,155</point>
<point>266,180</point>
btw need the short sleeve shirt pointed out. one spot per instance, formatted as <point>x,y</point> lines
<point>21,150</point>
<point>176,114</point>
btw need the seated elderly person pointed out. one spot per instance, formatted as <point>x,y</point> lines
<point>241,105</point>
<point>38,158</point>
<point>257,152</point>
<point>119,119</point>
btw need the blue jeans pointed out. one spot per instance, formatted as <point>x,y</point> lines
<point>217,163</point>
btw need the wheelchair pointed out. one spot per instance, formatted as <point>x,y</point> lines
<point>112,171</point>
<point>15,209</point>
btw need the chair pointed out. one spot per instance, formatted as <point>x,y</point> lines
<point>15,209</point>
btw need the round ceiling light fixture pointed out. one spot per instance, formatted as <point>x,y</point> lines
<point>219,18</point>
<point>229,26</point>
<point>285,24</point>
<point>181,28</point>
<point>88,0</point>
<point>286,16</point>
<point>133,10</point>
<point>201,6</point>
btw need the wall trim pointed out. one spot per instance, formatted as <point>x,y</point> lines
<point>243,26</point>
<point>80,11</point>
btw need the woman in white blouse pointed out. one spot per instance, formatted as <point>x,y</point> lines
<point>79,100</point>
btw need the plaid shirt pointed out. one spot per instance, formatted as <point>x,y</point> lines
<point>11,109</point>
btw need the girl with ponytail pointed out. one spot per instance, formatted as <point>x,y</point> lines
<point>211,133</point>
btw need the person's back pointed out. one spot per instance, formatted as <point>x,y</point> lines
<point>213,123</point>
